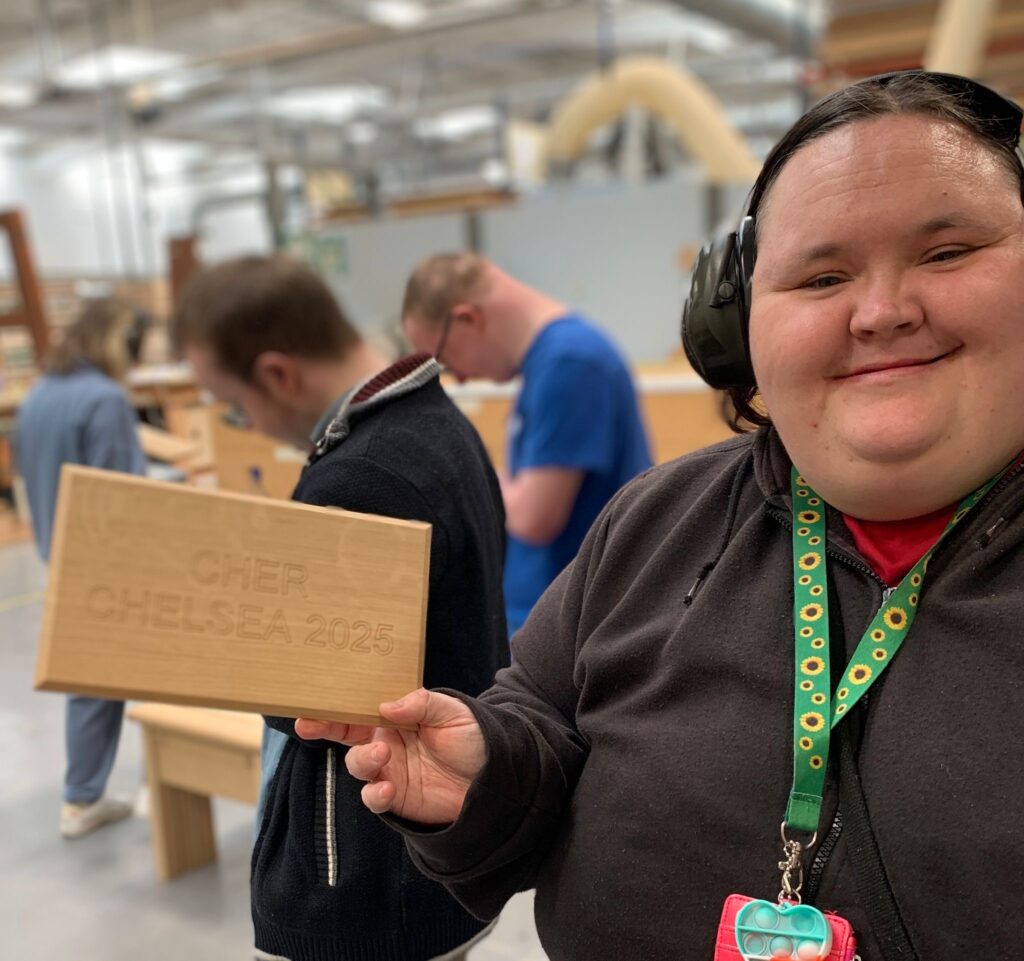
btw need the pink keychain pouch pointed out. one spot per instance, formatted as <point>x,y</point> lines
<point>774,933</point>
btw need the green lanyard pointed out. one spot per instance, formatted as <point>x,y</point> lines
<point>813,713</point>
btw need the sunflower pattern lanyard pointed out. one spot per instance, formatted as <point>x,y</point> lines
<point>814,715</point>
<point>788,929</point>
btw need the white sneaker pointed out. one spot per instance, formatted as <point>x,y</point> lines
<point>78,820</point>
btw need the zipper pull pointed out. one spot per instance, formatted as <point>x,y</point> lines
<point>986,538</point>
<point>887,593</point>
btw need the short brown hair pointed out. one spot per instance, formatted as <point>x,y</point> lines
<point>244,307</point>
<point>912,92</point>
<point>97,337</point>
<point>440,282</point>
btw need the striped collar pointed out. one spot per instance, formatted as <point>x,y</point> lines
<point>401,378</point>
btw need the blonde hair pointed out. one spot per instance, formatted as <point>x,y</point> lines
<point>96,337</point>
<point>442,281</point>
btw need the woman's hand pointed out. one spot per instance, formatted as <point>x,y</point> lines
<point>420,774</point>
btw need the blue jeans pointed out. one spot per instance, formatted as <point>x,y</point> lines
<point>270,756</point>
<point>92,729</point>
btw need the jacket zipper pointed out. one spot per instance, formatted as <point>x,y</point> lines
<point>998,489</point>
<point>828,844</point>
<point>831,552</point>
<point>332,851</point>
<point>783,519</point>
<point>822,856</point>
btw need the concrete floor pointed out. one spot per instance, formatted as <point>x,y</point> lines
<point>97,899</point>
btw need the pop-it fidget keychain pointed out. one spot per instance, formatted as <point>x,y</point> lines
<point>794,932</point>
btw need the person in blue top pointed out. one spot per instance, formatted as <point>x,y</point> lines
<point>576,434</point>
<point>78,413</point>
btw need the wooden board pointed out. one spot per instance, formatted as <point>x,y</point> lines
<point>249,462</point>
<point>159,444</point>
<point>233,729</point>
<point>862,39</point>
<point>678,420</point>
<point>163,385</point>
<point>194,424</point>
<point>193,754</point>
<point>32,313</point>
<point>165,593</point>
<point>680,423</point>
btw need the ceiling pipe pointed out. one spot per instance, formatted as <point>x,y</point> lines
<point>666,90</point>
<point>779,23</point>
<point>960,36</point>
<point>47,41</point>
<point>362,43</point>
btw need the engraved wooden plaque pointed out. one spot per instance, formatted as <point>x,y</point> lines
<point>166,593</point>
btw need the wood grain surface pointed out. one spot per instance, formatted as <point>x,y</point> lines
<point>166,593</point>
<point>159,444</point>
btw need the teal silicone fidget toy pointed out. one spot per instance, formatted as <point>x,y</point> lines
<point>782,932</point>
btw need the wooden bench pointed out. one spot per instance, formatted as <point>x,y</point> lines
<point>193,754</point>
<point>680,412</point>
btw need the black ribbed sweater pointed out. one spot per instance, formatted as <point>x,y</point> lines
<point>329,881</point>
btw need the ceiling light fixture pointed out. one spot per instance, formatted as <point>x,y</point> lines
<point>397,14</point>
<point>334,105</point>
<point>180,84</point>
<point>361,132</point>
<point>457,124</point>
<point>16,95</point>
<point>644,26</point>
<point>115,65</point>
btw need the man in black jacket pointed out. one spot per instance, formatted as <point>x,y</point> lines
<point>329,882</point>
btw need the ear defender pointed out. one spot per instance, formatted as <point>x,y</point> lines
<point>716,315</point>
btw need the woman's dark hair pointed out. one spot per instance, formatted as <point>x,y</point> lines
<point>980,112</point>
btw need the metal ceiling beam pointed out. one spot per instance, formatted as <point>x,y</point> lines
<point>363,45</point>
<point>765,19</point>
<point>364,48</point>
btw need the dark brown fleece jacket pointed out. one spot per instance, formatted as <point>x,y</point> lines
<point>640,744</point>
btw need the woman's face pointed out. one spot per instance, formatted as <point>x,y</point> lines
<point>887,320</point>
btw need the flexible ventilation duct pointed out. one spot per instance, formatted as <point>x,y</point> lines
<point>674,95</point>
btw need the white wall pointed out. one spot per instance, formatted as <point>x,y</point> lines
<point>58,199</point>
<point>85,213</point>
<point>617,252</point>
<point>614,252</point>
<point>374,260</point>
<point>235,229</point>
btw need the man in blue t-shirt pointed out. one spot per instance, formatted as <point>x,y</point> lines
<point>575,436</point>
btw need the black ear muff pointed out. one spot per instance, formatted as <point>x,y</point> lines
<point>716,314</point>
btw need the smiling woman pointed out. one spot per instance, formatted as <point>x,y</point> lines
<point>889,355</point>
<point>675,693</point>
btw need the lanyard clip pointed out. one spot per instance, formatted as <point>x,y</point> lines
<point>792,867</point>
